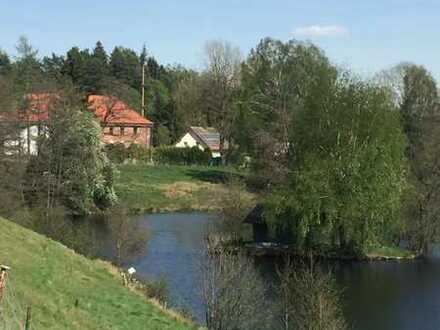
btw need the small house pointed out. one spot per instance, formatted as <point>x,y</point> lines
<point>260,229</point>
<point>205,138</point>
<point>31,119</point>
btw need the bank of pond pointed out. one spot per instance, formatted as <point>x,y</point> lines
<point>376,295</point>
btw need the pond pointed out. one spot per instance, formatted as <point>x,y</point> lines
<point>377,295</point>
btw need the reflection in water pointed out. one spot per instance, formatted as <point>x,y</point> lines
<point>378,295</point>
<point>174,248</point>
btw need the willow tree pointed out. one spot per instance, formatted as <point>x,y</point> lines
<point>421,119</point>
<point>346,188</point>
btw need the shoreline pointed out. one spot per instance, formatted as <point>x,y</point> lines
<point>276,251</point>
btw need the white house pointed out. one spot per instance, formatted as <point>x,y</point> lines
<point>31,121</point>
<point>203,138</point>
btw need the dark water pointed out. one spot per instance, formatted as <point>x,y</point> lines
<point>378,295</point>
<point>174,248</point>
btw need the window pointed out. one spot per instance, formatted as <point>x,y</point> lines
<point>135,130</point>
<point>122,130</point>
<point>111,130</point>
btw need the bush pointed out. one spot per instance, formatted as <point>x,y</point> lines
<point>157,290</point>
<point>164,155</point>
<point>181,156</point>
<point>139,153</point>
<point>116,152</point>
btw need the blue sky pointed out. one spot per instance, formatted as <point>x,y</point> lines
<point>365,35</point>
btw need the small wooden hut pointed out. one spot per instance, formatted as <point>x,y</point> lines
<point>259,226</point>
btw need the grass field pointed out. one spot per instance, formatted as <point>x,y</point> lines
<point>67,291</point>
<point>145,188</point>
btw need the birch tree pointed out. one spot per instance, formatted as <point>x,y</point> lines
<point>221,82</point>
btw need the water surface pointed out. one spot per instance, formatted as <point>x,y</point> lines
<point>378,295</point>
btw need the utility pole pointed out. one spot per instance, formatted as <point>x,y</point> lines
<point>143,89</point>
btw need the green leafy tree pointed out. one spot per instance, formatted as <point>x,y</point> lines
<point>420,118</point>
<point>277,78</point>
<point>345,190</point>
<point>71,169</point>
<point>11,160</point>
<point>220,87</point>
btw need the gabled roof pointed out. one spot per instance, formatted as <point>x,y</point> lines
<point>208,136</point>
<point>36,109</point>
<point>113,112</point>
<point>255,216</point>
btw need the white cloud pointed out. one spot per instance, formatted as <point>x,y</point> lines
<point>321,31</point>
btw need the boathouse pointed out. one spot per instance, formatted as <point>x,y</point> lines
<point>260,229</point>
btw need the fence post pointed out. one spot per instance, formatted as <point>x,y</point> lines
<point>3,275</point>
<point>27,324</point>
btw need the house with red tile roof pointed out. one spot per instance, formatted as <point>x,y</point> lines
<point>120,123</point>
<point>32,118</point>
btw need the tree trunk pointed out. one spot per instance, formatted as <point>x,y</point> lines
<point>342,238</point>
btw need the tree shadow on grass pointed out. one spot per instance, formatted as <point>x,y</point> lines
<point>213,175</point>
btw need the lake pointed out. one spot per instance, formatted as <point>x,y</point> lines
<point>377,295</point>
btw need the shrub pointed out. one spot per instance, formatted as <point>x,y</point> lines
<point>181,156</point>
<point>139,153</point>
<point>157,290</point>
<point>164,155</point>
<point>116,152</point>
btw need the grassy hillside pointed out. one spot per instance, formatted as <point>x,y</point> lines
<point>68,291</point>
<point>143,188</point>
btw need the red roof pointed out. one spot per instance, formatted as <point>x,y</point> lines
<point>36,109</point>
<point>113,112</point>
<point>109,110</point>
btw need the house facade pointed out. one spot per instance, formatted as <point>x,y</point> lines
<point>120,124</point>
<point>202,137</point>
<point>31,120</point>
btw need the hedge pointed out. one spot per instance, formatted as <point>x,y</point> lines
<point>181,156</point>
<point>164,155</point>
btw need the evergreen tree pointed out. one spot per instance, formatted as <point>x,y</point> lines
<point>125,66</point>
<point>143,56</point>
<point>5,63</point>
<point>75,66</point>
<point>53,66</point>
<point>97,70</point>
